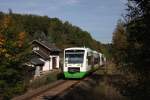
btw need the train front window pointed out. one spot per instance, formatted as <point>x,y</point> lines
<point>74,56</point>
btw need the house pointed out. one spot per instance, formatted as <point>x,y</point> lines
<point>45,57</point>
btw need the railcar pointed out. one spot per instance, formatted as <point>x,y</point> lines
<point>79,61</point>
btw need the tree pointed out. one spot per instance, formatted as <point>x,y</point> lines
<point>13,52</point>
<point>138,33</point>
<point>119,43</point>
<point>137,58</point>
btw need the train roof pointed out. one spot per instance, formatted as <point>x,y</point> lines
<point>78,48</point>
<point>84,48</point>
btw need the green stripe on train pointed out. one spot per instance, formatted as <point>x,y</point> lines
<point>75,75</point>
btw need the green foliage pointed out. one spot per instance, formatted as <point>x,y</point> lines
<point>139,49</point>
<point>13,52</point>
<point>63,34</point>
<point>44,80</point>
<point>138,36</point>
<point>136,56</point>
<point>107,51</point>
<point>119,43</point>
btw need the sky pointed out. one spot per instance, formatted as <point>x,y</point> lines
<point>98,17</point>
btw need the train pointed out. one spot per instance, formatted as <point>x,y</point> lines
<point>80,61</point>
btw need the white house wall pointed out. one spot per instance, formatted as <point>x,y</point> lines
<point>51,63</point>
<point>57,62</point>
<point>48,63</point>
<point>46,66</point>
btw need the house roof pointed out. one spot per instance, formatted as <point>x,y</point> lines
<point>37,62</point>
<point>42,54</point>
<point>50,47</point>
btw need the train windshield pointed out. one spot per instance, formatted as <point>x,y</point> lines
<point>74,56</point>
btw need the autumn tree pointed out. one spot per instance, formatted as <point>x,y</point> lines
<point>139,49</point>
<point>119,43</point>
<point>13,52</point>
<point>137,54</point>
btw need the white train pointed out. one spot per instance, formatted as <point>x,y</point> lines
<point>78,61</point>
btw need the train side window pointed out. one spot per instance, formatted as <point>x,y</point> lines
<point>96,60</point>
<point>89,60</point>
<point>89,57</point>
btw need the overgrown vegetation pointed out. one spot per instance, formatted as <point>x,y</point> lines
<point>13,52</point>
<point>132,50</point>
<point>44,80</point>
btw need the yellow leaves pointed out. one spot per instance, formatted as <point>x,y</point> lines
<point>119,37</point>
<point>22,35</point>
<point>6,21</point>
<point>21,38</point>
<point>12,39</point>
<point>3,51</point>
<point>2,40</point>
<point>7,55</point>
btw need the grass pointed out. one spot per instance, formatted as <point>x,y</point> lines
<point>43,80</point>
<point>106,92</point>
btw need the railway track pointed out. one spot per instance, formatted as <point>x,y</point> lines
<point>49,91</point>
<point>56,91</point>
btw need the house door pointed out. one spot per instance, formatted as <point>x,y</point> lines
<point>54,62</point>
